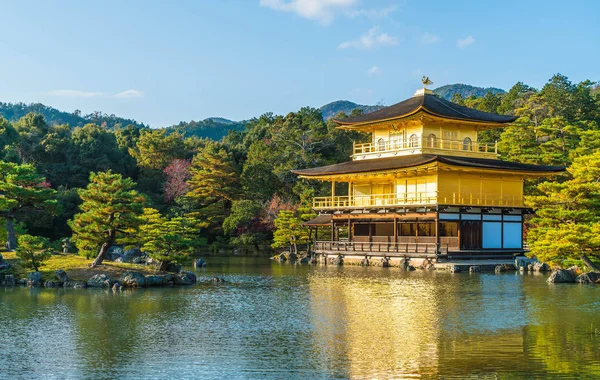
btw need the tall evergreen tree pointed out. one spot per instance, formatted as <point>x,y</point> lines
<point>22,191</point>
<point>110,213</point>
<point>566,227</point>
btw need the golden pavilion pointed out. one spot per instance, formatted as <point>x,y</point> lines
<point>423,187</point>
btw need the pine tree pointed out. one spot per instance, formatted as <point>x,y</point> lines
<point>566,227</point>
<point>110,213</point>
<point>290,230</point>
<point>214,176</point>
<point>33,251</point>
<point>168,240</point>
<point>22,191</point>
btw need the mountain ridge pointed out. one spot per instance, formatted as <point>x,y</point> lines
<point>211,127</point>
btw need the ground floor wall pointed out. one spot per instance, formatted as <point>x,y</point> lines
<point>449,229</point>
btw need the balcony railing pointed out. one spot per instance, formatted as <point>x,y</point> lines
<point>412,199</point>
<point>426,143</point>
<point>380,249</point>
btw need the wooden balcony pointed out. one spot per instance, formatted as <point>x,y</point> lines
<point>425,145</point>
<point>380,248</point>
<point>414,199</point>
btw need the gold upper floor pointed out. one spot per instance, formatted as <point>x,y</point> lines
<point>425,134</point>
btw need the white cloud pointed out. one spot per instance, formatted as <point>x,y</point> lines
<point>374,14</point>
<point>429,38</point>
<point>372,39</point>
<point>464,42</point>
<point>74,93</point>
<point>319,10</point>
<point>374,70</point>
<point>129,94</point>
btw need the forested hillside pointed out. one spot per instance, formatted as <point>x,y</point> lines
<point>465,90</point>
<point>213,128</point>
<point>234,188</point>
<point>14,111</point>
<point>329,110</point>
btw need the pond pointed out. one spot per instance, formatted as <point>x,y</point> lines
<point>311,322</point>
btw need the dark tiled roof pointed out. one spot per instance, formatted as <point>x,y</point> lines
<point>321,220</point>
<point>432,104</point>
<point>391,163</point>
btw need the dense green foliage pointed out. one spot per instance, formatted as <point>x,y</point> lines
<point>214,128</point>
<point>332,109</point>
<point>110,213</point>
<point>232,188</point>
<point>15,111</point>
<point>33,251</point>
<point>566,227</point>
<point>464,90</point>
<point>22,191</point>
<point>167,240</point>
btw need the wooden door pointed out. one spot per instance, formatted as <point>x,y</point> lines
<point>470,234</point>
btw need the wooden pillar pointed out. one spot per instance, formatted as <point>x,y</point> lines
<point>332,229</point>
<point>395,230</point>
<point>349,229</point>
<point>370,232</point>
<point>437,233</point>
<point>317,233</point>
<point>333,193</point>
<point>417,232</point>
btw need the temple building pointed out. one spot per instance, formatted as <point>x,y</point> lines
<point>423,187</point>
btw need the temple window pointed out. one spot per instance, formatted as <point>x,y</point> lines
<point>381,144</point>
<point>431,141</point>
<point>467,144</point>
<point>413,141</point>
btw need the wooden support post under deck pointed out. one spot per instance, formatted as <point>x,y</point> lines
<point>437,234</point>
<point>332,227</point>
<point>395,229</point>
<point>349,229</point>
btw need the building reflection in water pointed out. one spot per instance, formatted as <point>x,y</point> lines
<point>416,323</point>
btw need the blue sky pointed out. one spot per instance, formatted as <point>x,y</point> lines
<point>163,62</point>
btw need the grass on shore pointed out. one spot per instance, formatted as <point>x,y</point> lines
<point>77,267</point>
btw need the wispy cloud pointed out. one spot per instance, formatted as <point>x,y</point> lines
<point>374,70</point>
<point>374,13</point>
<point>373,38</point>
<point>129,94</point>
<point>323,11</point>
<point>430,38</point>
<point>90,94</point>
<point>74,93</point>
<point>464,42</point>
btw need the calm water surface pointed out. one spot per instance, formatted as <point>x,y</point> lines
<point>283,321</point>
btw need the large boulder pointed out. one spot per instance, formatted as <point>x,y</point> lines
<point>292,256</point>
<point>61,275</point>
<point>173,267</point>
<point>199,263</point>
<point>184,278</point>
<point>130,255</point>
<point>338,260</point>
<point>53,284</point>
<point>561,276</point>
<point>454,269</point>
<point>75,284</point>
<point>100,281</point>
<point>157,280</point>
<point>34,279</point>
<point>540,267</point>
<point>115,252</point>
<point>588,278</point>
<point>132,280</point>
<point>9,280</point>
